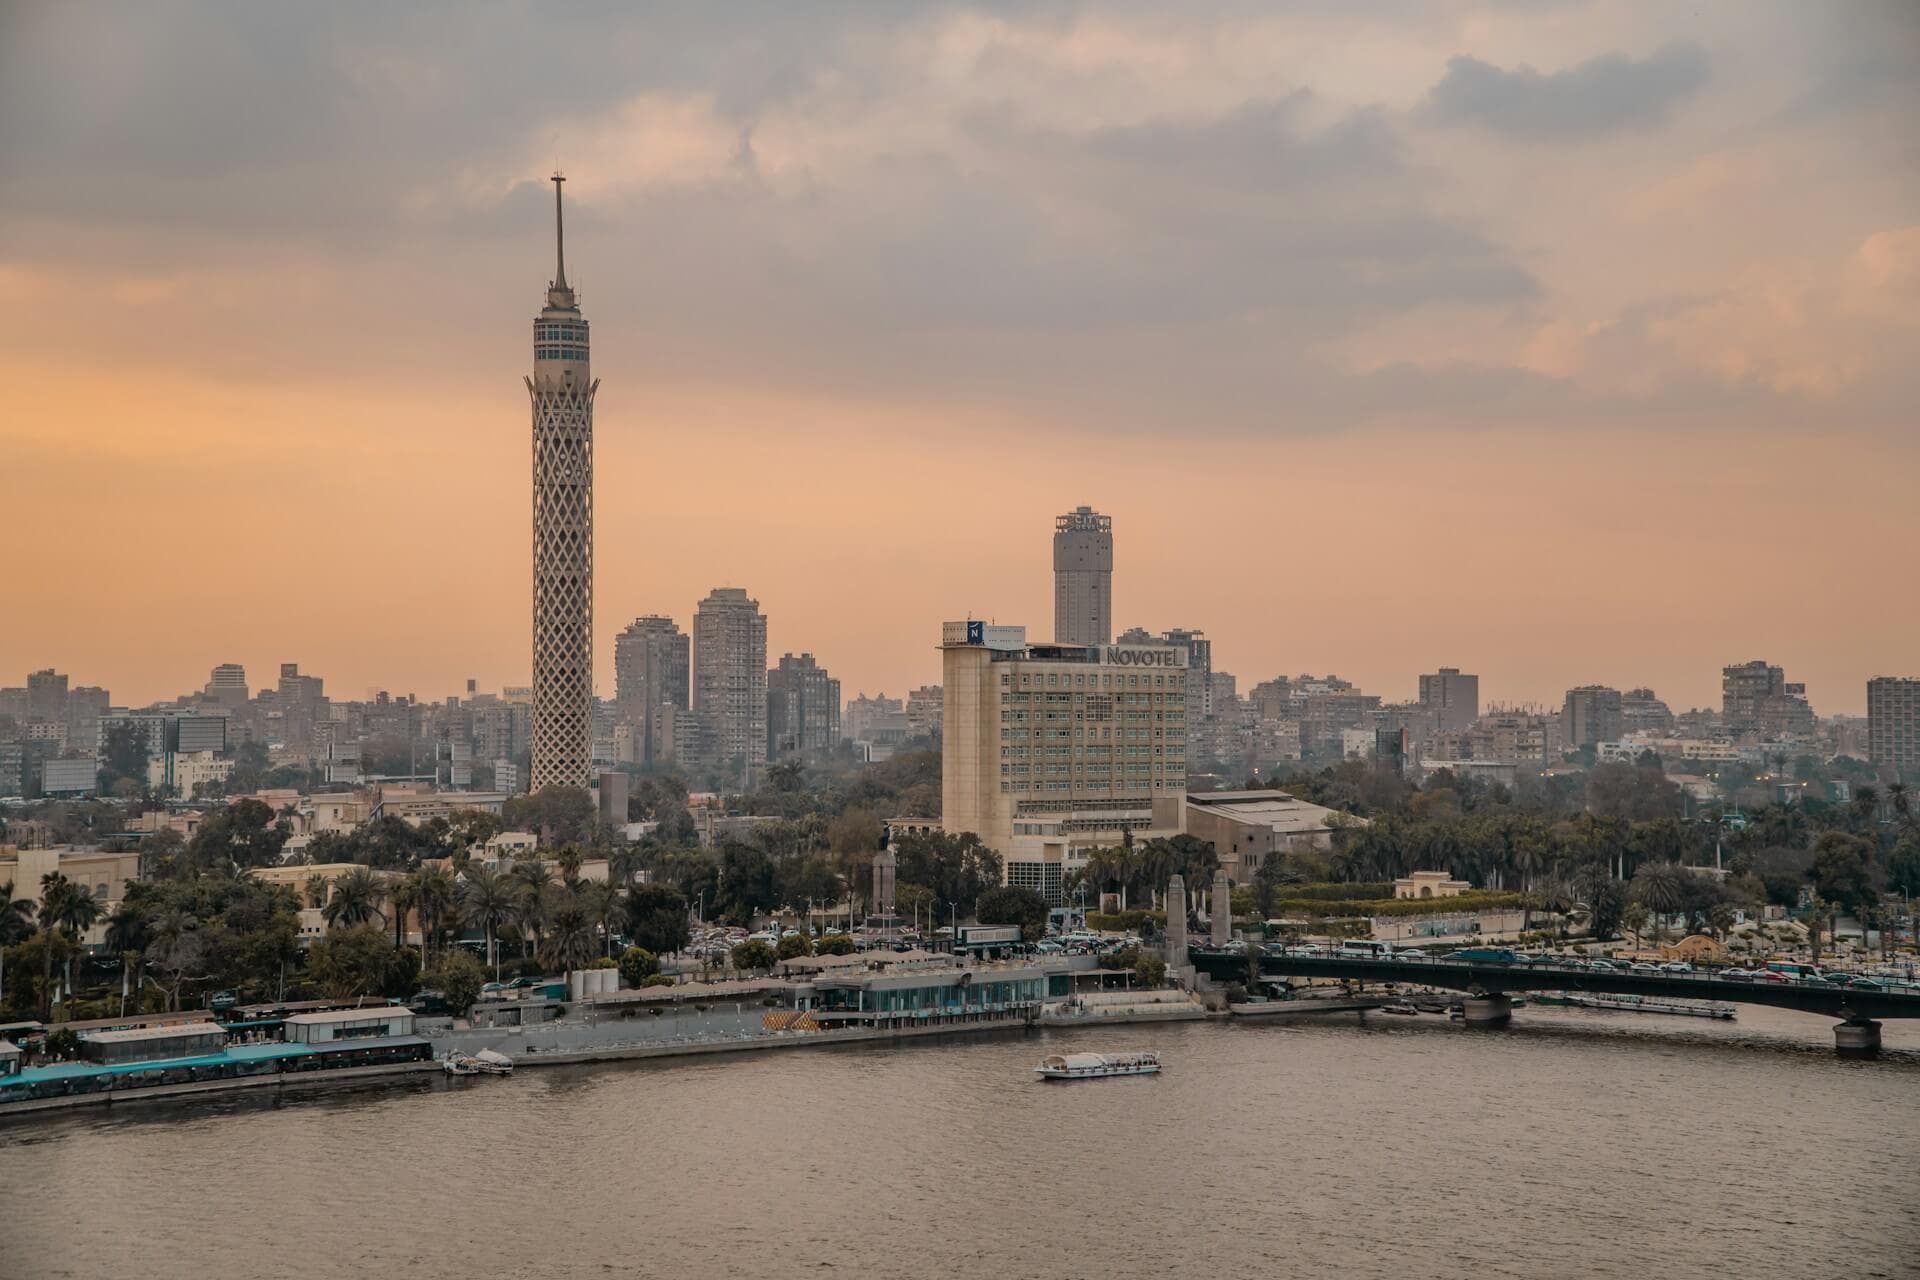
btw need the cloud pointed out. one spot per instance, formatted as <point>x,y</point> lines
<point>1603,95</point>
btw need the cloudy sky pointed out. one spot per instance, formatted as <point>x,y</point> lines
<point>1566,342</point>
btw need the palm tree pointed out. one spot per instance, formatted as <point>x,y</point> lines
<point>532,882</point>
<point>356,900</point>
<point>127,933</point>
<point>490,900</point>
<point>435,898</point>
<point>1819,916</point>
<point>16,922</point>
<point>66,908</point>
<point>570,859</point>
<point>1635,919</point>
<point>1660,888</point>
<point>569,941</point>
<point>401,899</point>
<point>605,907</point>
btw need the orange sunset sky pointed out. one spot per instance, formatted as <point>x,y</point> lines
<point>1563,342</point>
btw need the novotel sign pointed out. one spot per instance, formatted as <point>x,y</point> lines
<point>1129,655</point>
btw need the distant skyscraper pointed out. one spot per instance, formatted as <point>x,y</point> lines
<point>730,678</point>
<point>652,668</point>
<point>1590,716</point>
<point>1452,697</point>
<point>1756,701</point>
<point>1082,577</point>
<point>1893,724</point>
<point>803,708</point>
<point>228,684</point>
<point>562,388</point>
<point>47,695</point>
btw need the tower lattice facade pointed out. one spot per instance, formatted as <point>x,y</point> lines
<point>562,388</point>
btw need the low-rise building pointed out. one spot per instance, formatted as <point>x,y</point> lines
<point>1429,884</point>
<point>1245,827</point>
<point>349,1024</point>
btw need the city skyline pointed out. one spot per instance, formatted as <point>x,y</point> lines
<point>1628,417</point>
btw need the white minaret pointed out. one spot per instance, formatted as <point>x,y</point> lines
<point>562,388</point>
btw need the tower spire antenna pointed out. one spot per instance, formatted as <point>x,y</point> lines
<point>559,234</point>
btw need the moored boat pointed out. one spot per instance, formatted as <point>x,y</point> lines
<point>1097,1066</point>
<point>1400,1009</point>
<point>494,1063</point>
<point>460,1064</point>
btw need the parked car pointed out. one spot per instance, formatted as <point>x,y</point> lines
<point>1739,975</point>
<point>1643,966</point>
<point>1676,966</point>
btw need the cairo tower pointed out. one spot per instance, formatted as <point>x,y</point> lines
<point>562,388</point>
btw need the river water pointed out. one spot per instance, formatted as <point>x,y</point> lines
<point>1573,1143</point>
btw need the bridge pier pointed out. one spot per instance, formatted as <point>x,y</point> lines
<point>1487,1011</point>
<point>1857,1039</point>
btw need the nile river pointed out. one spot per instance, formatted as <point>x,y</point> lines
<point>1572,1144</point>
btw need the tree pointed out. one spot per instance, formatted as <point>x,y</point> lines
<point>748,885</point>
<point>657,918</point>
<point>489,900</point>
<point>792,946</point>
<point>637,964</point>
<point>360,962</point>
<point>16,917</point>
<point>532,882</point>
<point>1819,919</point>
<point>606,908</point>
<point>834,944</point>
<point>1149,970</point>
<point>955,868</point>
<point>1661,888</point>
<point>1011,904</point>
<point>69,909</point>
<point>560,815</point>
<point>753,954</point>
<point>569,943</point>
<point>1606,903</point>
<point>436,901</point>
<point>245,833</point>
<point>1842,869</point>
<point>355,900</point>
<point>126,753</point>
<point>1635,918</point>
<point>458,977</point>
<point>176,945</point>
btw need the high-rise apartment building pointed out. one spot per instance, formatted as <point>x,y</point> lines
<point>652,668</point>
<point>730,680</point>
<point>1756,701</point>
<point>1082,577</point>
<point>228,684</point>
<point>1643,712</point>
<point>803,708</point>
<point>1453,697</point>
<point>47,695</point>
<point>925,711</point>
<point>1052,750</point>
<point>1591,715</point>
<point>1893,724</point>
<point>562,389</point>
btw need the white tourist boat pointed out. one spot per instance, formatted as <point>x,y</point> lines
<point>1097,1066</point>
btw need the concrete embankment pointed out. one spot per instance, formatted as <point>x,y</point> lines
<point>604,1043</point>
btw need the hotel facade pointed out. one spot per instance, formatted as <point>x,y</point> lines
<point>1051,751</point>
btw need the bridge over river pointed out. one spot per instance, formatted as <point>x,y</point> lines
<point>1487,985</point>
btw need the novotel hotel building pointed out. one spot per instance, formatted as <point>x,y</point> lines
<point>1050,751</point>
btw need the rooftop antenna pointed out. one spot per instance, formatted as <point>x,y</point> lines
<point>559,234</point>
